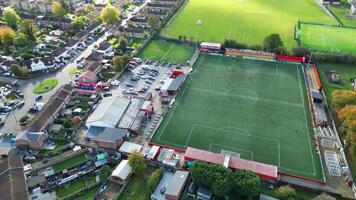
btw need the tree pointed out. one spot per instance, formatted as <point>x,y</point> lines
<point>79,22</point>
<point>104,172</point>
<point>137,162</point>
<point>58,10</point>
<point>123,44</point>
<point>110,14</point>
<point>21,40</point>
<point>7,36</point>
<point>29,28</point>
<point>17,70</point>
<point>154,22</point>
<point>65,4</point>
<point>245,183</point>
<point>90,8</point>
<point>286,192</point>
<point>11,17</point>
<point>341,98</point>
<point>273,43</point>
<point>154,179</point>
<point>233,44</point>
<point>300,51</point>
<point>119,63</point>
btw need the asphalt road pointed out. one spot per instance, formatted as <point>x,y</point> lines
<point>63,76</point>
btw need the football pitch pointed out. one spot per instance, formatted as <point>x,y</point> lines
<point>328,38</point>
<point>255,108</point>
<point>162,50</point>
<point>246,21</point>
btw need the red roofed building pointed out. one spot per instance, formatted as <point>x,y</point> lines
<point>264,171</point>
<point>87,77</point>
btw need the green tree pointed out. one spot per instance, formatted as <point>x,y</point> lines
<point>110,14</point>
<point>119,63</point>
<point>154,179</point>
<point>58,10</point>
<point>123,44</point>
<point>7,36</point>
<point>29,28</point>
<point>286,192</point>
<point>65,4</point>
<point>245,183</point>
<point>273,43</point>
<point>137,162</point>
<point>104,172</point>
<point>21,40</point>
<point>79,22</point>
<point>11,17</point>
<point>16,69</point>
<point>154,22</point>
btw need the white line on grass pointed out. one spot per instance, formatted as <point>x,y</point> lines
<point>305,117</point>
<point>238,149</point>
<point>168,51</point>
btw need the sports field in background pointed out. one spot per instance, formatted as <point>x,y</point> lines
<point>328,38</point>
<point>247,21</point>
<point>167,51</point>
<point>255,108</point>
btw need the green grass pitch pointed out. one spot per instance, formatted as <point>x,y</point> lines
<point>167,51</point>
<point>247,21</point>
<point>255,108</point>
<point>328,38</point>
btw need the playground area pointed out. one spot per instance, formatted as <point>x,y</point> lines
<point>255,109</point>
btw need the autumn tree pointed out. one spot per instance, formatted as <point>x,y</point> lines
<point>154,179</point>
<point>11,17</point>
<point>7,36</point>
<point>110,14</point>
<point>79,22</point>
<point>154,22</point>
<point>341,98</point>
<point>137,162</point>
<point>21,40</point>
<point>58,10</point>
<point>119,63</point>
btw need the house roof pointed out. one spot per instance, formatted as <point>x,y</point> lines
<point>265,171</point>
<point>139,19</point>
<point>29,136</point>
<point>95,56</point>
<point>122,171</point>
<point>159,5</point>
<point>109,111</point>
<point>88,75</point>
<point>129,147</point>
<point>93,66</point>
<point>59,50</point>
<point>131,113</point>
<point>12,179</point>
<point>109,135</point>
<point>177,183</point>
<point>51,107</point>
<point>134,30</point>
<point>104,45</point>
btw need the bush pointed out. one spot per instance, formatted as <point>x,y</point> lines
<point>256,47</point>
<point>233,44</point>
<point>286,192</point>
<point>335,58</point>
<point>154,179</point>
<point>300,51</point>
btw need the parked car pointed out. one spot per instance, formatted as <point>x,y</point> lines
<point>107,94</point>
<point>115,82</point>
<point>39,97</point>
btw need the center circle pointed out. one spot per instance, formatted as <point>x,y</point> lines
<point>241,96</point>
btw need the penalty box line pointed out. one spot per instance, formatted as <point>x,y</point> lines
<point>237,149</point>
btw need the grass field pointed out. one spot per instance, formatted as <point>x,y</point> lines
<point>135,189</point>
<point>75,186</point>
<point>45,86</point>
<point>71,162</point>
<point>255,108</point>
<point>247,21</point>
<point>167,51</point>
<point>328,39</point>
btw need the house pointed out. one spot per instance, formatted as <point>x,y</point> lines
<point>139,20</point>
<point>36,64</point>
<point>95,56</point>
<point>12,179</point>
<point>29,139</point>
<point>162,6</point>
<point>129,147</point>
<point>133,32</point>
<point>158,12</point>
<point>104,47</point>
<point>167,1</point>
<point>87,77</point>
<point>108,138</point>
<point>52,108</point>
<point>176,185</point>
<point>71,44</point>
<point>60,53</point>
<point>122,172</point>
<point>94,66</point>
<point>43,6</point>
<point>46,20</point>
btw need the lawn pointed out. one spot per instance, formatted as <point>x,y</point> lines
<point>89,195</point>
<point>45,86</point>
<point>71,162</point>
<point>247,21</point>
<point>328,38</point>
<point>341,11</point>
<point>75,186</point>
<point>167,51</point>
<point>257,109</point>
<point>55,151</point>
<point>136,189</point>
